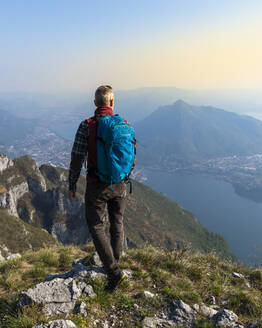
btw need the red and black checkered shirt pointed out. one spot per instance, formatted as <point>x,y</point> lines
<point>78,154</point>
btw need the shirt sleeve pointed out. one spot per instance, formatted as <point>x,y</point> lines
<point>78,154</point>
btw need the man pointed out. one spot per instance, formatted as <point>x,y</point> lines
<point>100,194</point>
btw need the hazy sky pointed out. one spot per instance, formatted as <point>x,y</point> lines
<point>63,45</point>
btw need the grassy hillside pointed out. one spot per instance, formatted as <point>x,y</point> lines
<point>19,236</point>
<point>192,277</point>
<point>153,217</point>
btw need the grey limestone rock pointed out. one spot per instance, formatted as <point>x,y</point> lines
<point>254,325</point>
<point>156,322</point>
<point>53,308</point>
<point>58,290</point>
<point>10,198</point>
<point>37,185</point>
<point>81,309</point>
<point>204,310</point>
<point>5,162</point>
<point>13,256</point>
<point>105,324</point>
<point>237,275</point>
<point>96,260</point>
<point>88,290</point>
<point>79,272</point>
<point>65,275</point>
<point>182,313</point>
<point>148,294</point>
<point>56,296</point>
<point>64,232</point>
<point>226,318</point>
<point>95,273</point>
<point>211,300</point>
<point>5,254</point>
<point>57,324</point>
<point>78,261</point>
<point>1,257</point>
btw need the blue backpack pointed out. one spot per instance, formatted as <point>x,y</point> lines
<point>115,149</point>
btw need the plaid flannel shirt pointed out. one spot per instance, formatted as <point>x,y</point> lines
<point>78,154</point>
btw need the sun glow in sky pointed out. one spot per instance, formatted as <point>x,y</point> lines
<point>63,45</point>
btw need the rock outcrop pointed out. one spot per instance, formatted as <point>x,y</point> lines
<point>59,293</point>
<point>5,254</point>
<point>57,324</point>
<point>57,296</point>
<point>181,314</point>
<point>38,196</point>
<point>226,318</point>
<point>5,162</point>
<point>9,199</point>
<point>1,257</point>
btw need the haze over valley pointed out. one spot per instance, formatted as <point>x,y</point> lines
<point>180,139</point>
<point>187,137</point>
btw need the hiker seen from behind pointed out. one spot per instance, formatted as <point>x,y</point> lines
<point>107,143</point>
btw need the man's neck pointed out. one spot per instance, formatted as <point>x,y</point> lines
<point>104,111</point>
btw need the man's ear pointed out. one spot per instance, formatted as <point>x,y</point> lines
<point>112,102</point>
<point>95,103</point>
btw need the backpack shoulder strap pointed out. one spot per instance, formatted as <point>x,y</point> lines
<point>122,119</point>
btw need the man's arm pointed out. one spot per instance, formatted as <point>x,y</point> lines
<point>78,155</point>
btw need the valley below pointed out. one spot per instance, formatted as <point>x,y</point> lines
<point>216,205</point>
<point>243,172</point>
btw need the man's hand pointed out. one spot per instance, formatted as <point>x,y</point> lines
<point>70,195</point>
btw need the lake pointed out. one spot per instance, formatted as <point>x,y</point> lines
<point>218,208</point>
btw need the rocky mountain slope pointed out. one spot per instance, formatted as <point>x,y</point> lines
<point>38,197</point>
<point>16,237</point>
<point>163,289</point>
<point>186,133</point>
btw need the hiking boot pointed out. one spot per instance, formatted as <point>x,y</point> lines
<point>115,281</point>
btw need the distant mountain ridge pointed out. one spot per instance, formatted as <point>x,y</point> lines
<point>38,197</point>
<point>186,133</point>
<point>13,128</point>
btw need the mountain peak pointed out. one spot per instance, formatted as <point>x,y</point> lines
<point>180,103</point>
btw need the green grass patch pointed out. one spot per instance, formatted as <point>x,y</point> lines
<point>49,258</point>
<point>10,265</point>
<point>65,259</point>
<point>244,304</point>
<point>195,273</point>
<point>29,317</point>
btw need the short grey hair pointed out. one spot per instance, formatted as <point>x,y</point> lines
<point>103,95</point>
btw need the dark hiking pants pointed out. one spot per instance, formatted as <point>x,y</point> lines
<point>98,195</point>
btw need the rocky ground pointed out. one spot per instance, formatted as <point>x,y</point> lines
<point>64,287</point>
